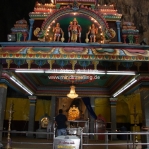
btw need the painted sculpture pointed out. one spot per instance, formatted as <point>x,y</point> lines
<point>92,33</point>
<point>129,33</point>
<point>40,33</point>
<point>74,31</point>
<point>58,32</point>
<point>73,113</point>
<point>20,29</point>
<point>109,34</point>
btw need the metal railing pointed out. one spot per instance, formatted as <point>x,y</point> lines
<point>131,141</point>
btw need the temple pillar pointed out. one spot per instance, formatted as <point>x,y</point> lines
<point>118,23</point>
<point>144,98</point>
<point>3,95</point>
<point>113,102</point>
<point>31,21</point>
<point>92,120</point>
<point>53,104</point>
<point>33,100</point>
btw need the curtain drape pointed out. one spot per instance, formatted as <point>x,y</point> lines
<point>87,103</point>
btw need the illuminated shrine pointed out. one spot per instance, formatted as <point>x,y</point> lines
<point>74,49</point>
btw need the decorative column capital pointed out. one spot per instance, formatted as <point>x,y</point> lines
<point>2,85</point>
<point>32,99</point>
<point>31,21</point>
<point>118,23</point>
<point>113,101</point>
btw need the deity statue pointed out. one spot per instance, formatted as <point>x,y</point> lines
<point>74,31</point>
<point>109,34</point>
<point>92,33</point>
<point>58,32</point>
<point>73,113</point>
<point>40,33</point>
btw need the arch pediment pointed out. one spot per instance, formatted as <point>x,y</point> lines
<point>88,13</point>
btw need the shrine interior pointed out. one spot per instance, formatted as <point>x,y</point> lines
<point>78,56</point>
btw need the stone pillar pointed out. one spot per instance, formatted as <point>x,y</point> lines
<point>118,23</point>
<point>3,95</point>
<point>31,21</point>
<point>53,102</point>
<point>92,120</point>
<point>1,68</point>
<point>113,102</point>
<point>32,114</point>
<point>144,97</point>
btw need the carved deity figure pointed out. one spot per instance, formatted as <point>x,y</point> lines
<point>92,33</point>
<point>73,113</point>
<point>109,34</point>
<point>74,31</point>
<point>58,32</point>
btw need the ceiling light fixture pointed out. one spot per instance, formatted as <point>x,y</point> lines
<point>121,73</point>
<point>131,82</point>
<point>60,71</point>
<point>77,71</point>
<point>90,72</point>
<point>29,71</point>
<point>72,93</point>
<point>21,85</point>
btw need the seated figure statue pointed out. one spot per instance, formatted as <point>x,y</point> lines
<point>58,32</point>
<point>92,33</point>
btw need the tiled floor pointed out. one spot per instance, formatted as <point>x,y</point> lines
<point>23,142</point>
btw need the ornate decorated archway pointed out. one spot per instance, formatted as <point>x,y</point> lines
<point>93,15</point>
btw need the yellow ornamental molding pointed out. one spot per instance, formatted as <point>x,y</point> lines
<point>144,89</point>
<point>3,86</point>
<point>9,61</point>
<point>117,64</point>
<point>138,64</point>
<point>29,62</point>
<point>95,63</point>
<point>73,62</point>
<point>51,62</point>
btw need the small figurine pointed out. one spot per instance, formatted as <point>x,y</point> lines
<point>19,35</point>
<point>92,33</point>
<point>131,38</point>
<point>109,34</point>
<point>75,30</point>
<point>58,32</point>
<point>40,33</point>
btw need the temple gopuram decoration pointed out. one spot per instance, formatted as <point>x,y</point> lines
<point>20,31</point>
<point>73,35</point>
<point>130,33</point>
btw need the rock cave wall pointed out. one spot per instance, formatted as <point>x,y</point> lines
<point>136,11</point>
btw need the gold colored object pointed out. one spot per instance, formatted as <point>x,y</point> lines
<point>8,146</point>
<point>9,61</point>
<point>138,64</point>
<point>73,113</point>
<point>95,63</point>
<point>51,62</point>
<point>44,122</point>
<point>73,62</point>
<point>29,62</point>
<point>72,93</point>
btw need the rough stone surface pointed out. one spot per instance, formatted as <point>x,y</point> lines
<point>136,11</point>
